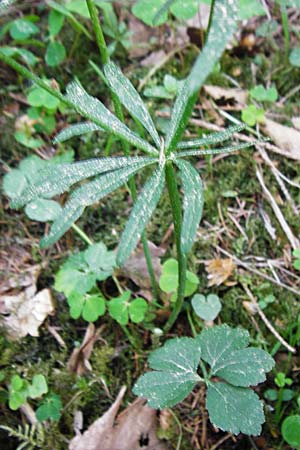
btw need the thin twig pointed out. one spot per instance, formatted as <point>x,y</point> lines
<point>256,308</point>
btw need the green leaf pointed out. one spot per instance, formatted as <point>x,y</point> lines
<point>55,22</point>
<point>294,57</point>
<point>207,308</point>
<point>146,10</point>
<point>185,9</point>
<point>224,349</point>
<point>40,98</point>
<point>250,8</point>
<point>75,130</point>
<point>222,28</point>
<point>216,151</point>
<point>93,308</point>
<point>17,383</point>
<point>168,281</point>
<point>78,7</point>
<point>213,138</point>
<point>22,29</point>
<point>56,179</point>
<point>175,376</point>
<point>262,94</point>
<point>137,310</point>
<point>27,140</point>
<point>94,110</point>
<point>118,308</point>
<point>130,98</point>
<point>38,386</point>
<point>23,53</point>
<point>290,430</point>
<point>234,409</point>
<point>14,182</point>
<point>55,54</point>
<point>192,204</point>
<point>74,22</point>
<point>50,408</point>
<point>75,302</point>
<point>252,115</point>
<point>100,260</point>
<point>43,210</point>
<point>140,214</point>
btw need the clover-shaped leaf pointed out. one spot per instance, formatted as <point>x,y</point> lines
<point>91,307</point>
<point>38,386</point>
<point>122,309</point>
<point>175,373</point>
<point>50,408</point>
<point>207,308</point>
<point>169,279</point>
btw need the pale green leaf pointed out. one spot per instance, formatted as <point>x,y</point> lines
<point>55,54</point>
<point>23,29</point>
<point>130,98</point>
<point>76,130</point>
<point>222,28</point>
<point>118,308</point>
<point>38,386</point>
<point>213,138</point>
<point>207,308</point>
<point>56,179</point>
<point>234,409</point>
<point>216,151</point>
<point>87,195</point>
<point>140,214</point>
<point>192,203</point>
<point>137,310</point>
<point>175,376</point>
<point>94,110</point>
<point>14,183</point>
<point>93,308</point>
<point>43,210</point>
<point>55,22</point>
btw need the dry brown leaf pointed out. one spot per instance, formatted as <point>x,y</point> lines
<point>287,139</point>
<point>79,360</point>
<point>135,428</point>
<point>219,270</point>
<point>26,311</point>
<point>233,98</point>
<point>135,268</point>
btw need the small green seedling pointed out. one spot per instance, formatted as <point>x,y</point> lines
<point>253,115</point>
<point>207,308</point>
<point>231,404</point>
<point>261,94</point>
<point>296,255</point>
<point>168,90</point>
<point>290,431</point>
<point>50,408</point>
<point>122,309</point>
<point>20,389</point>
<point>266,301</point>
<point>90,306</point>
<point>169,283</point>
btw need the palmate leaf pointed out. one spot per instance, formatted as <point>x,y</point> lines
<point>59,178</point>
<point>216,151</point>
<point>213,138</point>
<point>94,110</point>
<point>140,214</point>
<point>130,98</point>
<point>222,28</point>
<point>234,409</point>
<point>192,203</point>
<point>175,373</point>
<point>76,130</point>
<point>87,195</point>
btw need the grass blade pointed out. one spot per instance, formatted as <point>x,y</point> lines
<point>75,130</point>
<point>58,178</point>
<point>87,195</point>
<point>130,98</point>
<point>223,25</point>
<point>213,138</point>
<point>192,203</point>
<point>216,151</point>
<point>140,214</point>
<point>94,110</point>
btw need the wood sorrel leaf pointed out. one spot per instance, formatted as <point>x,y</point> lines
<point>175,376</point>
<point>87,195</point>
<point>140,214</point>
<point>95,111</point>
<point>222,28</point>
<point>207,308</point>
<point>192,203</point>
<point>59,178</point>
<point>234,409</point>
<point>93,307</point>
<point>130,98</point>
<point>213,138</point>
<point>76,130</point>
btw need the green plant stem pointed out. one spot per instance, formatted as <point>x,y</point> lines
<point>285,26</point>
<point>188,313</point>
<point>126,149</point>
<point>177,219</point>
<point>212,6</point>
<point>82,234</point>
<point>278,406</point>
